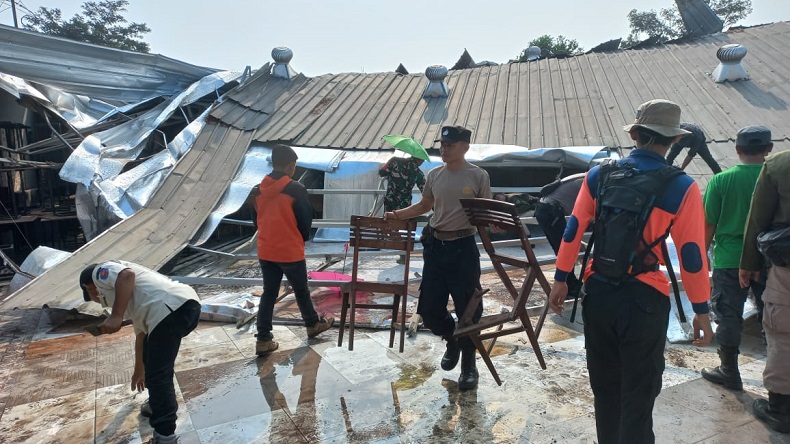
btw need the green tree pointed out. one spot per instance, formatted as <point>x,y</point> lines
<point>668,25</point>
<point>101,23</point>
<point>552,47</point>
<point>731,11</point>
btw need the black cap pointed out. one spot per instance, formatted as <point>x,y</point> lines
<point>283,155</point>
<point>753,136</point>
<point>86,277</point>
<point>453,134</point>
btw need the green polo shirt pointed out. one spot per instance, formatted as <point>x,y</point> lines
<point>727,199</point>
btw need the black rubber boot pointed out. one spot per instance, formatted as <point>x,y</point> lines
<point>775,412</point>
<point>469,375</point>
<point>450,358</point>
<point>727,373</point>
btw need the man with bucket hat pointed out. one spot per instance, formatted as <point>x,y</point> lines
<point>626,319</point>
<point>727,199</point>
<point>451,260</point>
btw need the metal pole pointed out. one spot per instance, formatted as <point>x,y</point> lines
<point>13,10</point>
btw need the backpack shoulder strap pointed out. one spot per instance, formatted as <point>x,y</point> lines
<point>674,280</point>
<point>607,167</point>
<point>666,174</point>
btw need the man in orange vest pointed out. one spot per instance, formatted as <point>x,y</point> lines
<point>284,216</point>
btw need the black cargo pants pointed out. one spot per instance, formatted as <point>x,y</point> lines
<point>450,268</point>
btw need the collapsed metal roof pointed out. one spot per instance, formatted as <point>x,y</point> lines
<point>109,74</point>
<point>577,101</point>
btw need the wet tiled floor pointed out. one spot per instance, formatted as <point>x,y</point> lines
<point>75,389</point>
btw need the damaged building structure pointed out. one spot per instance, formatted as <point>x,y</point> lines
<point>156,167</point>
<point>143,158</point>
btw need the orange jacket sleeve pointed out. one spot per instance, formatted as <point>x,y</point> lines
<point>688,233</point>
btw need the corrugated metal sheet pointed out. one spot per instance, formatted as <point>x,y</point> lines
<point>583,100</point>
<point>156,233</point>
<point>113,75</point>
<point>698,17</point>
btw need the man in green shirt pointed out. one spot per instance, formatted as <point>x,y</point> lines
<point>727,199</point>
<point>402,175</point>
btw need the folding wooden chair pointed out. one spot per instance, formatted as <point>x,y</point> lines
<point>374,232</point>
<point>484,213</point>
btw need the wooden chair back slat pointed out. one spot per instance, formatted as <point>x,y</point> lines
<point>485,214</point>
<point>374,232</point>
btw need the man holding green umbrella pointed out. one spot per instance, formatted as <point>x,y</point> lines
<point>403,173</point>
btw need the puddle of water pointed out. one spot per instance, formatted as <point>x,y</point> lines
<point>500,350</point>
<point>413,377</point>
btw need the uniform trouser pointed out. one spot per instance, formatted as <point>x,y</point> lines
<point>296,273</point>
<point>704,154</point>
<point>674,150</point>
<point>160,348</point>
<point>727,302</point>
<point>625,329</point>
<point>776,321</point>
<point>551,218</point>
<point>450,268</point>
<point>708,158</point>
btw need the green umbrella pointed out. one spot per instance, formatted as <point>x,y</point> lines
<point>407,145</point>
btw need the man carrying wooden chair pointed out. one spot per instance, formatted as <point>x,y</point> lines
<point>451,258</point>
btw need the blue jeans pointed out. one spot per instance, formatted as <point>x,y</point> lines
<point>160,349</point>
<point>727,303</point>
<point>296,273</point>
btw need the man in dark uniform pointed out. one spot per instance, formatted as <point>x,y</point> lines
<point>550,212</point>
<point>695,142</point>
<point>451,258</point>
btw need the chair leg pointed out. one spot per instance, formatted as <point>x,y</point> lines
<point>353,298</point>
<point>343,312</point>
<point>532,339</point>
<point>544,284</point>
<point>403,321</point>
<point>393,322</point>
<point>542,319</point>
<point>481,348</point>
<point>493,340</point>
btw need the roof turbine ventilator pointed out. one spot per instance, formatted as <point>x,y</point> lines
<point>437,87</point>
<point>533,53</point>
<point>282,55</point>
<point>730,67</point>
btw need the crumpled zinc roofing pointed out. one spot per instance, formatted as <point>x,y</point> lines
<point>113,75</point>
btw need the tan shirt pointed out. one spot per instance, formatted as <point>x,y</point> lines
<point>155,296</point>
<point>770,208</point>
<point>447,187</point>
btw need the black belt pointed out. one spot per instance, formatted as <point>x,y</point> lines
<point>453,235</point>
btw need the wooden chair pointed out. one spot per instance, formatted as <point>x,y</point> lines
<point>484,213</point>
<point>374,232</point>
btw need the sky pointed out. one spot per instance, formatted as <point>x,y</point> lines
<point>332,36</point>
